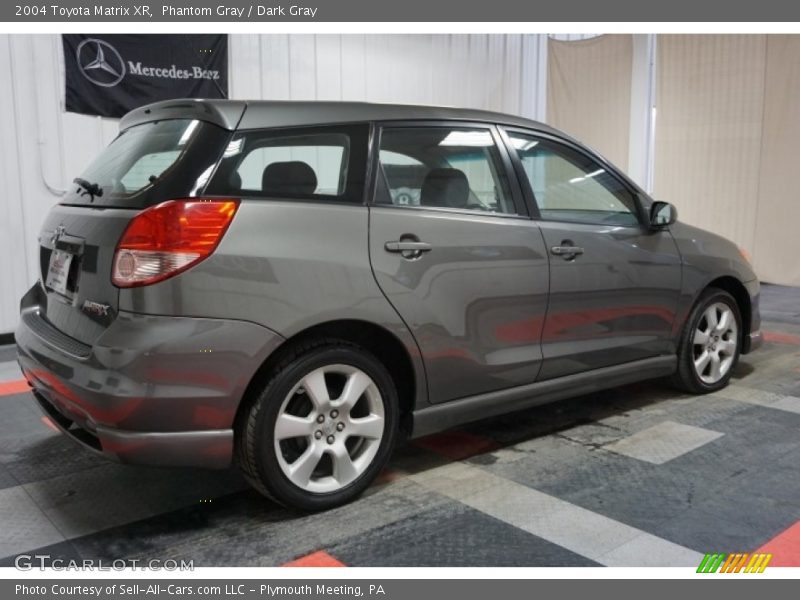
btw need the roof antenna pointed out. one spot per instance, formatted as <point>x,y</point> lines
<point>222,93</point>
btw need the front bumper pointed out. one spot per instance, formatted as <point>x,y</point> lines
<point>152,390</point>
<point>754,339</point>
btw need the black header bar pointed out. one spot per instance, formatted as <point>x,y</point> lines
<point>441,11</point>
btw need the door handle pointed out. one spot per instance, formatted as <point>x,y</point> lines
<point>568,252</point>
<point>404,246</point>
<point>408,248</point>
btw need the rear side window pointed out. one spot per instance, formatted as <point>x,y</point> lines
<point>325,163</point>
<point>442,167</point>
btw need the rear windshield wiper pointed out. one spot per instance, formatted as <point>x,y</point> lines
<point>91,188</point>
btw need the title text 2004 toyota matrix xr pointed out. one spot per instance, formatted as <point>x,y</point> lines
<point>294,286</point>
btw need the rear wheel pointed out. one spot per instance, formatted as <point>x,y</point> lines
<point>322,428</point>
<point>710,343</point>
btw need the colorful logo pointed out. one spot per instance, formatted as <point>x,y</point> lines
<point>734,563</point>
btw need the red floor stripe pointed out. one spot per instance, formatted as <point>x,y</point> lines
<point>18,386</point>
<point>388,476</point>
<point>457,445</point>
<point>315,559</point>
<point>784,547</point>
<point>781,338</point>
<point>50,424</point>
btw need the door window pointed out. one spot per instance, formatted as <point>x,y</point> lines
<point>569,186</point>
<point>441,167</point>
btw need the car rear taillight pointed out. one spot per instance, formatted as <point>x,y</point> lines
<point>167,239</point>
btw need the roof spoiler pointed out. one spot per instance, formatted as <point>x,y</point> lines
<point>225,114</point>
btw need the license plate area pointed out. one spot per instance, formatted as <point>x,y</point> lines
<point>58,273</point>
<point>63,269</point>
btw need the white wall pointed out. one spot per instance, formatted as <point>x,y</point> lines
<point>42,148</point>
<point>482,71</point>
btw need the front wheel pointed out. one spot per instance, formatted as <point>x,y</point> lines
<point>710,343</point>
<point>322,428</point>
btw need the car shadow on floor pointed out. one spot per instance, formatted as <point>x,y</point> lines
<point>552,419</point>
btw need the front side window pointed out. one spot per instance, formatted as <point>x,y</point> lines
<point>324,163</point>
<point>569,186</point>
<point>441,167</point>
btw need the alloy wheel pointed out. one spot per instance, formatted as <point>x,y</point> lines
<point>714,343</point>
<point>329,428</point>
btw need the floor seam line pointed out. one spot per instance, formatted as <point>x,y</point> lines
<point>42,510</point>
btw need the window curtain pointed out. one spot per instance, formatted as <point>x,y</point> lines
<point>776,249</point>
<point>589,92</point>
<point>710,103</point>
<point>727,128</point>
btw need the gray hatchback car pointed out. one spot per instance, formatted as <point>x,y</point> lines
<point>294,286</point>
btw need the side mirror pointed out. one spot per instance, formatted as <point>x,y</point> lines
<point>662,214</point>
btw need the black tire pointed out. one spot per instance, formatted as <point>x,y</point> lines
<point>255,436</point>
<point>686,377</point>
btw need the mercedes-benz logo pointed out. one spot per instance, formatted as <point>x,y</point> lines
<point>100,62</point>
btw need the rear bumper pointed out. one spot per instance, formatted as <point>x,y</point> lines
<point>210,449</point>
<point>152,390</point>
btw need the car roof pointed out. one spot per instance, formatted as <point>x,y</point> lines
<point>258,114</point>
<point>252,114</point>
<point>278,114</point>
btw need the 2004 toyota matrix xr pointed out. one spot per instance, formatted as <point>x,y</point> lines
<point>293,286</point>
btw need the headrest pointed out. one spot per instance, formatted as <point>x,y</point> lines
<point>291,177</point>
<point>445,187</point>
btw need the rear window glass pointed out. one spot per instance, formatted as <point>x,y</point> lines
<point>139,156</point>
<point>324,163</point>
<point>150,163</point>
<point>147,167</point>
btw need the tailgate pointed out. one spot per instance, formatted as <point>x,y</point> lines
<point>76,250</point>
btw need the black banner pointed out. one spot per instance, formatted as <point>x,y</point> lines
<point>109,75</point>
